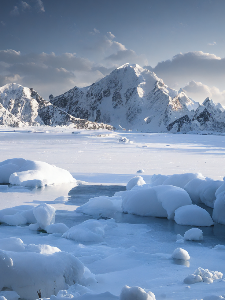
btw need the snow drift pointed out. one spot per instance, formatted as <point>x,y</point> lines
<point>19,171</point>
<point>158,201</point>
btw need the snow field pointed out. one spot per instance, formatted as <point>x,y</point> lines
<point>130,253</point>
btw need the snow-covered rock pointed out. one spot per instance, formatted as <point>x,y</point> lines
<point>135,293</point>
<point>38,217</point>
<point>180,180</point>
<point>158,201</point>
<point>56,228</point>
<point>27,272</point>
<point>180,253</point>
<point>203,275</point>
<point>192,215</point>
<point>193,234</point>
<point>137,180</point>
<point>19,171</point>
<point>44,214</point>
<point>102,206</point>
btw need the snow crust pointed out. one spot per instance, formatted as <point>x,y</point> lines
<point>19,171</point>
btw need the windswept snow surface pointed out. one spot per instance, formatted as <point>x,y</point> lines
<point>107,249</point>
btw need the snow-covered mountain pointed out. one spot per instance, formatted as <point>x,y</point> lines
<point>129,97</point>
<point>207,117</point>
<point>21,106</point>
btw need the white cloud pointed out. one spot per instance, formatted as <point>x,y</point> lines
<point>197,66</point>
<point>95,31</point>
<point>25,5</point>
<point>39,6</point>
<point>3,23</point>
<point>212,44</point>
<point>199,92</point>
<point>15,11</point>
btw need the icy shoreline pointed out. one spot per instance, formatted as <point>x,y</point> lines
<point>125,254</point>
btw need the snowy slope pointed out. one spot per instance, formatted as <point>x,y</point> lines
<point>131,97</point>
<point>24,106</point>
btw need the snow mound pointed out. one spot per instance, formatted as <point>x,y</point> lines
<point>56,228</point>
<point>135,293</point>
<point>158,201</point>
<point>19,171</point>
<point>221,188</point>
<point>193,234</point>
<point>219,209</point>
<point>192,215</point>
<point>89,231</point>
<point>203,190</point>
<point>180,253</point>
<point>31,269</point>
<point>137,180</point>
<point>39,217</point>
<point>102,206</point>
<point>203,275</point>
<point>180,180</point>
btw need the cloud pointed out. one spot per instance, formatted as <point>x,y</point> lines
<point>95,31</point>
<point>197,66</point>
<point>212,44</point>
<point>3,23</point>
<point>36,5</point>
<point>47,73</point>
<point>25,5</point>
<point>39,5</point>
<point>50,73</point>
<point>199,92</point>
<point>15,11</point>
<point>124,56</point>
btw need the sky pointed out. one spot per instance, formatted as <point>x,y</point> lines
<point>54,45</point>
